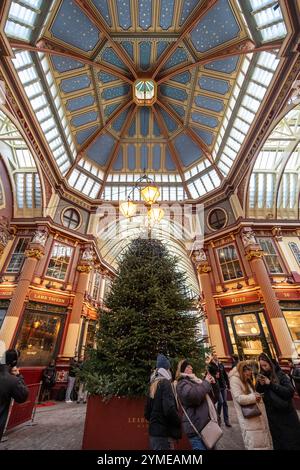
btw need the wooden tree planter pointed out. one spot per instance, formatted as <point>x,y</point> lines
<point>117,425</point>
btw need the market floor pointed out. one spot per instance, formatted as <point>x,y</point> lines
<point>60,427</point>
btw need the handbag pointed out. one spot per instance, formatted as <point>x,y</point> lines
<point>250,411</point>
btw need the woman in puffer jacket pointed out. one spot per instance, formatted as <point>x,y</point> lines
<point>193,395</point>
<point>255,430</point>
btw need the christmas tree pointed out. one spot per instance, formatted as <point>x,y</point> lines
<point>148,311</point>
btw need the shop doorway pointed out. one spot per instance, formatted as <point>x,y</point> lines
<point>249,334</point>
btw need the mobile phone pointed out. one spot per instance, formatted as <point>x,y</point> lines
<point>260,376</point>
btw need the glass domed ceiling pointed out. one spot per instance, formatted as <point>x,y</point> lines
<point>78,63</point>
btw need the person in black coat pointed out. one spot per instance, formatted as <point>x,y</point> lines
<point>48,380</point>
<point>218,372</point>
<point>11,386</point>
<point>161,408</point>
<point>278,393</point>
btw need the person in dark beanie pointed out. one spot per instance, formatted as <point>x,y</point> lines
<point>161,408</point>
<point>277,391</point>
<point>11,386</point>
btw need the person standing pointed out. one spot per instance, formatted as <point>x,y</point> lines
<point>48,380</point>
<point>278,394</point>
<point>295,375</point>
<point>161,408</point>
<point>82,392</point>
<point>218,372</point>
<point>71,379</point>
<point>193,394</point>
<point>255,429</point>
<point>12,386</point>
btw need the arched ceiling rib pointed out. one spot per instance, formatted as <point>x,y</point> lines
<point>274,187</point>
<point>77,61</point>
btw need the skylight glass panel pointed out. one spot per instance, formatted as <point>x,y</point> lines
<point>17,31</point>
<point>267,16</point>
<point>262,76</point>
<point>73,177</point>
<point>251,103</point>
<point>224,168</point>
<point>28,75</point>
<point>21,59</point>
<point>64,168</point>
<point>268,60</point>
<point>95,190</point>
<point>33,89</point>
<point>273,32</point>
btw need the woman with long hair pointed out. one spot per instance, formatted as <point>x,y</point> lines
<point>278,394</point>
<point>255,429</point>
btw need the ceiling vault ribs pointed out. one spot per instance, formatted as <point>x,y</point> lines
<point>193,136</point>
<point>201,10</point>
<point>114,154</point>
<point>171,148</point>
<point>47,48</point>
<point>85,7</point>
<point>245,46</point>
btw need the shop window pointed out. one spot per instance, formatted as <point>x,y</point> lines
<point>293,322</point>
<point>59,261</point>
<point>40,334</point>
<point>270,255</point>
<point>4,304</point>
<point>18,256</point>
<point>295,250</point>
<point>71,218</point>
<point>91,332</point>
<point>96,286</point>
<point>229,263</point>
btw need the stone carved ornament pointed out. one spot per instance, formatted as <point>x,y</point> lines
<point>5,233</point>
<point>40,237</point>
<point>248,238</point>
<point>199,256</point>
<point>88,254</point>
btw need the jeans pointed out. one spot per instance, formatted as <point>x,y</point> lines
<point>222,403</point>
<point>159,443</point>
<point>197,443</point>
<point>71,383</point>
<point>82,393</point>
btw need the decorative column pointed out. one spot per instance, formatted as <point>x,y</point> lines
<point>33,254</point>
<point>5,234</point>
<point>84,268</point>
<point>214,329</point>
<point>254,255</point>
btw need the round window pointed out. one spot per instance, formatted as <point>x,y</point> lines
<point>217,219</point>
<point>71,218</point>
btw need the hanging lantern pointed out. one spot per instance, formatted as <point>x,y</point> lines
<point>155,214</point>
<point>150,194</point>
<point>127,208</point>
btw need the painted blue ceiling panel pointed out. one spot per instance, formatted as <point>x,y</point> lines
<point>145,14</point>
<point>156,157</point>
<point>166,13</point>
<point>101,149</point>
<point>187,8</point>
<point>223,65</point>
<point>128,46</point>
<point>205,135</point>
<point>110,109</point>
<point>187,150</point>
<point>102,7</point>
<point>156,128</point>
<point>84,118</point>
<point>184,78</point>
<point>64,64</point>
<point>160,47</point>
<point>80,102</point>
<point>112,58</point>
<point>214,84</point>
<point>118,165</point>
<point>216,27</point>
<point>170,165</point>
<point>83,135</point>
<point>144,121</point>
<point>118,123</point>
<point>209,121</point>
<point>169,122</point>
<point>73,27</point>
<point>114,92</point>
<point>132,128</point>
<point>209,103</point>
<point>105,77</point>
<point>79,82</point>
<point>131,157</point>
<point>124,13</point>
<point>144,156</point>
<point>178,109</point>
<point>178,57</point>
<point>172,92</point>
<point>145,55</point>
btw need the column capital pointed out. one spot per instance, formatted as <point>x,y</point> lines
<point>5,233</point>
<point>204,268</point>
<point>84,268</point>
<point>254,254</point>
<point>34,253</point>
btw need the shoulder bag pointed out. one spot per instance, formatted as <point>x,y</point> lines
<point>250,411</point>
